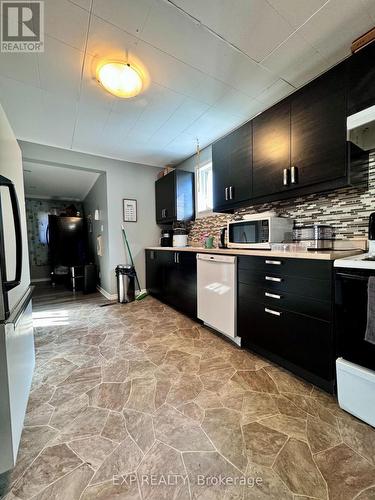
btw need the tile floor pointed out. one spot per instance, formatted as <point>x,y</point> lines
<point>138,402</point>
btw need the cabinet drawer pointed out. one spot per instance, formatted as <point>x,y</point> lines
<point>286,301</point>
<point>305,343</point>
<point>318,289</point>
<point>283,266</point>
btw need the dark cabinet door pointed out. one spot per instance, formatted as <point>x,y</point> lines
<point>240,185</point>
<point>221,172</point>
<point>318,132</point>
<point>172,277</point>
<point>361,69</point>
<point>232,169</point>
<point>271,150</point>
<point>181,283</point>
<point>165,198</point>
<point>155,270</point>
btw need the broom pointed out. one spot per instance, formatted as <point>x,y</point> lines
<point>142,293</point>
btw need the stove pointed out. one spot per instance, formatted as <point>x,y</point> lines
<point>362,261</point>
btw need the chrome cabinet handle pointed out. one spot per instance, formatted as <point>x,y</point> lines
<point>271,311</point>
<point>285,176</point>
<point>226,193</point>
<point>273,278</point>
<point>177,258</point>
<point>272,295</point>
<point>273,262</point>
<point>294,175</point>
<point>231,192</point>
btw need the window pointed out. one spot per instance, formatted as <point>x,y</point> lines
<point>203,182</point>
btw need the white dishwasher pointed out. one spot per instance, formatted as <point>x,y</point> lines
<point>217,293</point>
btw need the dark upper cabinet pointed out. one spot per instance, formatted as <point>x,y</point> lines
<point>318,131</point>
<point>232,169</point>
<point>174,197</point>
<point>271,150</point>
<point>361,78</point>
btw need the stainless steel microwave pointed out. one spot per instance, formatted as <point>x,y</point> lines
<point>259,231</point>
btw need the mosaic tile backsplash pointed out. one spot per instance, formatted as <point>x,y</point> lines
<point>346,209</point>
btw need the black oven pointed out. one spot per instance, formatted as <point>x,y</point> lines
<point>351,299</point>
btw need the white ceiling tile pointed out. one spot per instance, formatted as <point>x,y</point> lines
<point>60,67</point>
<point>66,21</point>
<point>161,105</point>
<point>184,116</point>
<point>295,61</point>
<point>237,103</point>
<point>332,30</point>
<point>21,67</point>
<point>296,12</point>
<point>275,92</point>
<point>23,105</point>
<point>57,119</point>
<point>85,4</point>
<point>370,8</point>
<point>129,15</point>
<point>263,30</point>
<point>89,127</point>
<point>214,123</point>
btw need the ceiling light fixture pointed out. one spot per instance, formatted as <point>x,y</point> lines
<point>120,79</point>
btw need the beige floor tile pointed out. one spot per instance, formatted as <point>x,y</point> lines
<point>262,444</point>
<point>53,463</point>
<point>111,396</point>
<point>346,472</point>
<point>122,461</point>
<point>296,467</point>
<point>115,427</point>
<point>176,430</point>
<point>93,450</point>
<point>223,426</point>
<point>68,487</point>
<point>139,425</point>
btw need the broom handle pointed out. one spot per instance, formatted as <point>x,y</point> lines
<point>131,257</point>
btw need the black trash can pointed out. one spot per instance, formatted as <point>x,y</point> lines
<point>125,276</point>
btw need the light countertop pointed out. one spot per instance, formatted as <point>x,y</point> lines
<point>318,255</point>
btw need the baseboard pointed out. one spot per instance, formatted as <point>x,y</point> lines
<point>40,280</point>
<point>109,296</point>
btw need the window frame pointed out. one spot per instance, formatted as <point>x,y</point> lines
<point>203,213</point>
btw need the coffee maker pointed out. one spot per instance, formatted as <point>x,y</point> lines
<point>166,238</point>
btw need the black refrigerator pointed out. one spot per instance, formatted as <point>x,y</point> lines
<point>67,244</point>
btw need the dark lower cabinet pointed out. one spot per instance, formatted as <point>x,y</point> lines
<point>171,276</point>
<point>285,314</point>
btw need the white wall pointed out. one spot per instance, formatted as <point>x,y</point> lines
<point>190,163</point>
<point>97,199</point>
<point>124,180</point>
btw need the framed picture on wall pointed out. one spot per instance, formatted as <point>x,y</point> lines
<point>130,210</point>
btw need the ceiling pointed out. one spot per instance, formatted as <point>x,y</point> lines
<point>211,65</point>
<point>58,183</point>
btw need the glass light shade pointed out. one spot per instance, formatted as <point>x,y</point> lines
<point>120,79</point>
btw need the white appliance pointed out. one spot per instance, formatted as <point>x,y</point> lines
<point>180,240</point>
<point>16,328</point>
<point>259,231</point>
<point>355,368</point>
<point>356,390</point>
<point>217,293</point>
